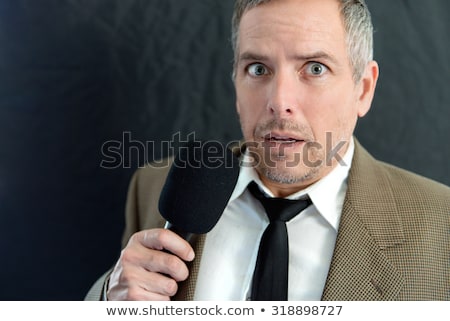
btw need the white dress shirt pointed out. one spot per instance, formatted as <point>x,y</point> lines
<point>231,247</point>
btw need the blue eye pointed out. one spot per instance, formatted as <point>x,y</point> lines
<point>316,69</point>
<point>257,70</point>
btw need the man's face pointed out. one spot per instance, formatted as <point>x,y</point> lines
<point>296,96</point>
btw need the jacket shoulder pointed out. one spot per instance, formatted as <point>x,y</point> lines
<point>413,186</point>
<point>374,179</point>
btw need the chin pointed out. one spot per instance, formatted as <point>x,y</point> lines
<point>290,176</point>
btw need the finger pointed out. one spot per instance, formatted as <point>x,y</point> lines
<point>135,258</point>
<point>135,283</point>
<point>135,293</point>
<point>143,295</point>
<point>163,239</point>
<point>159,284</point>
<point>167,264</point>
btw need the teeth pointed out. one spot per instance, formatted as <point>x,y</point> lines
<point>281,139</point>
<point>288,140</point>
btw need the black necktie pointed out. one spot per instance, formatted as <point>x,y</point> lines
<point>270,279</point>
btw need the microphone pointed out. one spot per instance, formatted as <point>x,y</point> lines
<point>198,187</point>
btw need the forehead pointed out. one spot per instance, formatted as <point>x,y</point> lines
<point>286,7</point>
<point>295,22</point>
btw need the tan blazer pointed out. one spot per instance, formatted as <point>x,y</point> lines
<point>393,241</point>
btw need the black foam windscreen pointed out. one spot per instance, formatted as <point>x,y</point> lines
<point>199,186</point>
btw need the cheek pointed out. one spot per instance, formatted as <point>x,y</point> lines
<point>250,107</point>
<point>248,123</point>
<point>332,113</point>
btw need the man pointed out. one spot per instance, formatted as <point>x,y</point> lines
<point>303,76</point>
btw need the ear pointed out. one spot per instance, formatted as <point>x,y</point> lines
<point>366,88</point>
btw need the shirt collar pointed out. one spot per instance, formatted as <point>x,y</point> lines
<point>327,194</point>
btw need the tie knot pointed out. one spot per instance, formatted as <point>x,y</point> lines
<point>278,209</point>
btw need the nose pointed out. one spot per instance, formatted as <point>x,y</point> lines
<point>283,95</point>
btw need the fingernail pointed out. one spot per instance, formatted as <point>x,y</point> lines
<point>191,256</point>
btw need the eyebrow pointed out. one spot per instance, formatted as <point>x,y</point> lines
<point>247,55</point>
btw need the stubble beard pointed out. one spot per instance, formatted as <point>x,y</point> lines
<point>302,167</point>
<point>293,171</point>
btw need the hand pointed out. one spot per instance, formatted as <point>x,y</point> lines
<point>146,272</point>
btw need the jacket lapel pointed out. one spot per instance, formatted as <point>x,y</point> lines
<point>369,224</point>
<point>186,289</point>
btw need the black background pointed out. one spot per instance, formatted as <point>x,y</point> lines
<point>75,74</point>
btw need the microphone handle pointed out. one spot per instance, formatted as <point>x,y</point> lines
<point>188,236</point>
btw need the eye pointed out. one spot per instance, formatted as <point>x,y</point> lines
<point>316,69</point>
<point>257,70</point>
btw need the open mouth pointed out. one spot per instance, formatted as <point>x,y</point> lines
<point>282,139</point>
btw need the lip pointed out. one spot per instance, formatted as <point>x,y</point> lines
<point>282,138</point>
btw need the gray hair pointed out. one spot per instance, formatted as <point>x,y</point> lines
<point>357,23</point>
